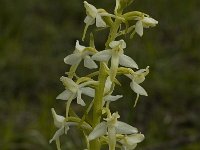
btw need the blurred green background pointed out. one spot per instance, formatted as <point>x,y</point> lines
<point>35,36</point>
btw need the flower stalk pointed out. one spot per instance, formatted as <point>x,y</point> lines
<point>98,100</point>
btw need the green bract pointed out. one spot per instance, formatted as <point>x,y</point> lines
<point>97,123</point>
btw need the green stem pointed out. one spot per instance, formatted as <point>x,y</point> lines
<point>97,107</point>
<point>72,71</point>
<point>58,144</point>
<point>68,103</point>
<point>99,92</point>
<point>113,32</point>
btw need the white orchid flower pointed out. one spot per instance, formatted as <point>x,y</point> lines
<point>59,122</point>
<point>73,90</point>
<point>116,53</point>
<point>94,15</point>
<point>111,126</point>
<point>144,22</point>
<point>137,78</point>
<point>129,142</point>
<point>80,53</point>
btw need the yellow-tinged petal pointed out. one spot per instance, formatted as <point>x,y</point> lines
<point>138,89</point>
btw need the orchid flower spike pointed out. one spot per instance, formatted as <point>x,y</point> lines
<point>144,22</point>
<point>116,53</point>
<point>73,90</point>
<point>81,52</point>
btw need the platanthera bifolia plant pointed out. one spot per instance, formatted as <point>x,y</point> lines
<point>98,124</point>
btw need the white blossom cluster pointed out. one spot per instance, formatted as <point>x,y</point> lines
<point>109,130</point>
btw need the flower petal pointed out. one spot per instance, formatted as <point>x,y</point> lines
<point>127,61</point>
<point>139,28</point>
<point>139,79</point>
<point>89,63</point>
<point>79,47</point>
<point>149,22</point>
<point>58,133</point>
<point>90,9</point>
<point>124,128</point>
<point>88,91</point>
<point>65,95</point>
<point>129,147</point>
<point>98,131</point>
<point>89,20</point>
<point>108,85</point>
<point>112,98</point>
<point>100,22</point>
<point>73,59</point>
<point>138,89</point>
<point>134,138</point>
<point>79,99</point>
<point>102,55</point>
<point>69,84</point>
<point>114,66</point>
<point>58,120</point>
<point>114,44</point>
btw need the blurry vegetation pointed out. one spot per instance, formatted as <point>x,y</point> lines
<point>35,36</point>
